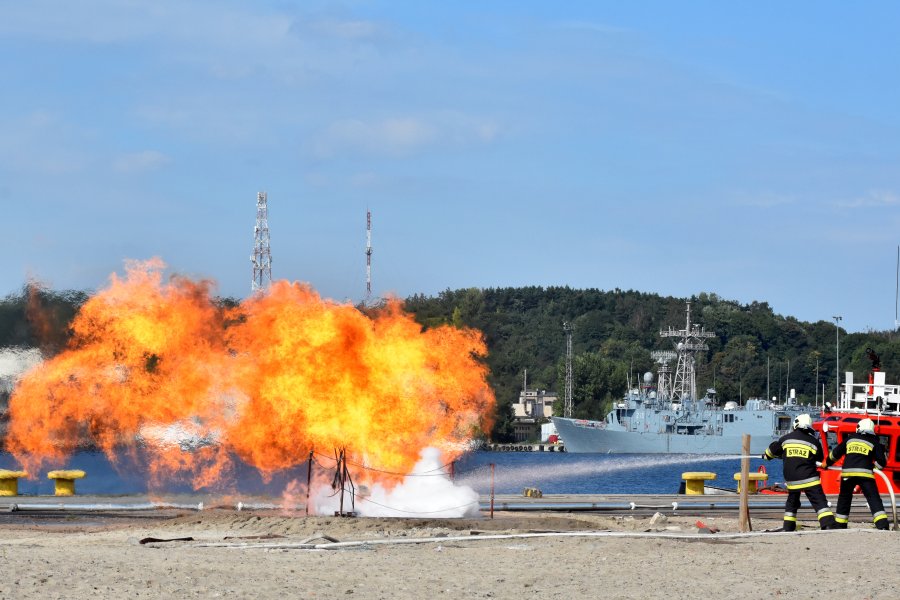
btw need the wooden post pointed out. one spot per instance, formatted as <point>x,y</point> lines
<point>745,485</point>
<point>492,490</point>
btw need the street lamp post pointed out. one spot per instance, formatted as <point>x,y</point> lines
<point>837,357</point>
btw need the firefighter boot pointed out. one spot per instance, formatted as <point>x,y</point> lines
<point>883,525</point>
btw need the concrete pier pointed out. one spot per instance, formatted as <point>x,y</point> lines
<point>101,509</point>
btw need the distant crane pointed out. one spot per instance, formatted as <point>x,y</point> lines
<point>262,254</point>
<point>567,406</point>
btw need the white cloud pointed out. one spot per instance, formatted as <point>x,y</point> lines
<point>402,136</point>
<point>874,199</point>
<point>203,116</point>
<point>394,136</point>
<point>139,162</point>
<point>117,21</point>
<point>230,39</point>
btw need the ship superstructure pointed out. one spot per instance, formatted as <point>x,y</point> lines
<point>668,416</point>
<point>874,399</point>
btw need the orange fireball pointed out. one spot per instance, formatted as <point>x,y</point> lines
<point>284,373</point>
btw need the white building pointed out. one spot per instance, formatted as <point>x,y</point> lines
<point>533,408</point>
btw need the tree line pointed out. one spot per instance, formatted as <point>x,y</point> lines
<point>754,353</point>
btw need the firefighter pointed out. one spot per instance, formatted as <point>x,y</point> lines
<point>801,451</point>
<point>862,452</point>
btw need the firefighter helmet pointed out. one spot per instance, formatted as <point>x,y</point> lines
<point>865,426</point>
<point>803,422</point>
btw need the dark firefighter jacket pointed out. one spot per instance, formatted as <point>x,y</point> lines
<point>861,452</point>
<point>800,450</point>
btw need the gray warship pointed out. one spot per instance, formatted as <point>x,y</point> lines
<point>668,417</point>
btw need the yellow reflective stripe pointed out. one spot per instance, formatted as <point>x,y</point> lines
<point>826,513</point>
<point>787,518</point>
<point>841,520</point>
<point>878,518</point>
<point>848,474</point>
<point>800,486</point>
<point>795,442</point>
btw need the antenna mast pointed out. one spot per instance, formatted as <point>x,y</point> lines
<point>567,406</point>
<point>368,256</point>
<point>690,342</point>
<point>262,255</point>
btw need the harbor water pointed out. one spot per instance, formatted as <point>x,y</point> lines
<point>569,473</point>
<point>551,472</point>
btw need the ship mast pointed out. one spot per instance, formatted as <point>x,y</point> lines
<point>690,341</point>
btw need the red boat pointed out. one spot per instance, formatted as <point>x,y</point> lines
<point>875,400</point>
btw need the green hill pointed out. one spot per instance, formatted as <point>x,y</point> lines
<point>755,352</point>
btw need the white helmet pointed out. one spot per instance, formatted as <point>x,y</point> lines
<point>865,426</point>
<point>803,422</point>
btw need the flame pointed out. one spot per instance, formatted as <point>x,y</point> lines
<point>283,374</point>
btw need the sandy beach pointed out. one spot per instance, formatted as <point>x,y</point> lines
<point>232,554</point>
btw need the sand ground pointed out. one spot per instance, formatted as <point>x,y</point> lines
<point>240,555</point>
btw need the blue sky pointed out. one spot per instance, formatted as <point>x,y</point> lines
<point>751,149</point>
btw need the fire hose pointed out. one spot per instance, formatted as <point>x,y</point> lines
<point>890,489</point>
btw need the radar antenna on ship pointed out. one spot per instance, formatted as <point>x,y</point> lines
<point>689,342</point>
<point>664,372</point>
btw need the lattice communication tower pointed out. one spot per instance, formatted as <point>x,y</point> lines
<point>262,254</point>
<point>568,406</point>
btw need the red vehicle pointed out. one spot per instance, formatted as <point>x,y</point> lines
<point>875,400</point>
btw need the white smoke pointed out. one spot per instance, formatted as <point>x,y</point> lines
<point>427,492</point>
<point>187,434</point>
<point>14,362</point>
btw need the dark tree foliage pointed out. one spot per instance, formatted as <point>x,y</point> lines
<point>39,318</point>
<point>755,352</point>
